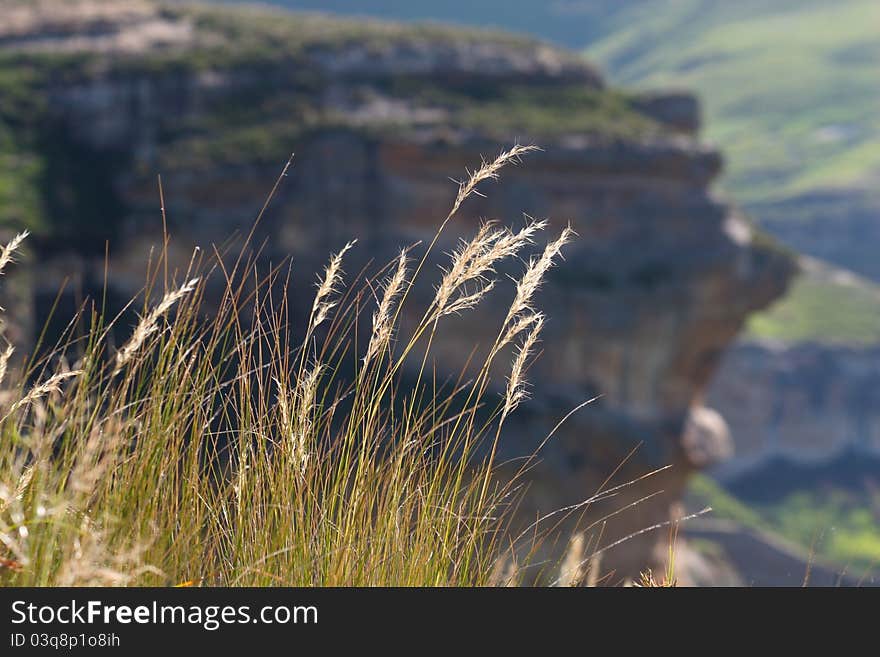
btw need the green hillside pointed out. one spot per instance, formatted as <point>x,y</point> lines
<point>824,304</point>
<point>791,88</point>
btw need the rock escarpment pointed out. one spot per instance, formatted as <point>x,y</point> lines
<point>380,116</point>
<point>807,403</point>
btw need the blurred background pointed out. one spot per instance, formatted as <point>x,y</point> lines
<point>719,160</point>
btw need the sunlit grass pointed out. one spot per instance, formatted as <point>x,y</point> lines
<point>228,448</point>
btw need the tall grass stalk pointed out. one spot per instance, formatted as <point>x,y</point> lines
<point>225,448</point>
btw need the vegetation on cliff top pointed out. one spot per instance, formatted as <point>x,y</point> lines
<point>277,100</point>
<point>270,33</point>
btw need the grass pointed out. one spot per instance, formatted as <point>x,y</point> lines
<point>706,491</point>
<point>254,446</point>
<point>821,309</point>
<point>238,34</point>
<point>231,35</point>
<point>555,111</point>
<point>842,527</point>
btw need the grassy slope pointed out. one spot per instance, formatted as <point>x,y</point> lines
<point>790,87</point>
<point>825,305</point>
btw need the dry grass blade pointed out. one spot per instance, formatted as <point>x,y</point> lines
<point>517,386</point>
<point>4,361</point>
<point>149,324</point>
<point>489,171</point>
<point>518,326</point>
<point>327,285</point>
<point>474,261</point>
<point>531,280</point>
<point>571,572</point>
<point>9,496</point>
<point>49,386</point>
<point>8,251</point>
<point>296,414</point>
<point>383,326</point>
<point>647,580</point>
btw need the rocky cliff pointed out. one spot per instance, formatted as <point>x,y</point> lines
<point>97,98</point>
<point>806,403</point>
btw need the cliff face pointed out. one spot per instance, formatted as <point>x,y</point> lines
<point>807,403</point>
<point>381,116</point>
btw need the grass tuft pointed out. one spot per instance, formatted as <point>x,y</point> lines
<point>228,449</point>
